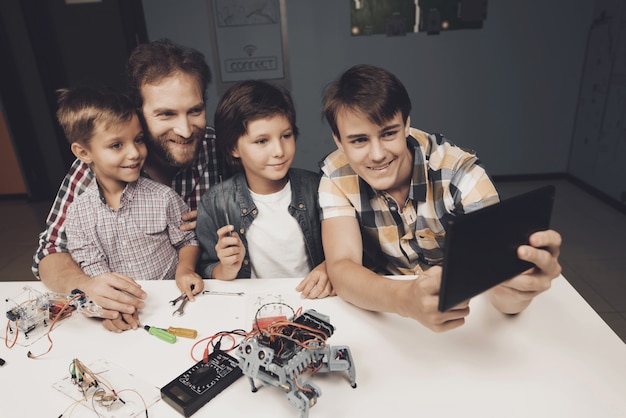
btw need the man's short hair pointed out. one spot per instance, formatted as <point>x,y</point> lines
<point>368,89</point>
<point>81,110</point>
<point>153,61</point>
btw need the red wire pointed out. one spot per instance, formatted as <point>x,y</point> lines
<point>210,339</point>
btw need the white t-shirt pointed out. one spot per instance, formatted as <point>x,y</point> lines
<point>275,241</point>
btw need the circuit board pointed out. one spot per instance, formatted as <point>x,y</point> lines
<point>30,315</point>
<point>133,405</point>
<point>438,15</point>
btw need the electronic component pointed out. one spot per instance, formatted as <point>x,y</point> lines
<point>201,383</point>
<point>38,308</point>
<point>105,389</point>
<point>436,16</point>
<point>280,354</point>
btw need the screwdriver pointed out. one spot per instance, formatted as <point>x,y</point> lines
<point>161,333</point>
<point>182,332</point>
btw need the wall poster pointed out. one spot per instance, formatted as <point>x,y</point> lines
<point>399,17</point>
<point>249,41</point>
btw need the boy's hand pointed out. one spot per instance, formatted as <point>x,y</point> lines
<point>189,282</point>
<point>230,251</point>
<point>316,284</point>
<point>123,323</point>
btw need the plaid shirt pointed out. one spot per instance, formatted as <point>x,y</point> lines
<point>446,181</point>
<point>140,240</point>
<point>190,183</point>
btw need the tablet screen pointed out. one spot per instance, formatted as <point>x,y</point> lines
<point>480,249</point>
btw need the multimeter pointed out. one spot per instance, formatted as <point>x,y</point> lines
<point>201,383</point>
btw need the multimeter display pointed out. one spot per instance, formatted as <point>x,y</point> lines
<point>201,383</point>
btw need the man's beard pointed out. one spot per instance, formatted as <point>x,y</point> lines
<point>160,146</point>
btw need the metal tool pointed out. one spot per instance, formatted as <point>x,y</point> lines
<point>214,292</point>
<point>161,334</point>
<point>182,332</point>
<point>224,201</point>
<point>181,309</point>
<point>178,299</point>
<point>184,298</point>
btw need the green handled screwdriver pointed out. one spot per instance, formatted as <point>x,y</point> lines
<point>182,332</point>
<point>161,333</point>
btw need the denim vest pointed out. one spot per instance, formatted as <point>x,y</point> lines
<point>242,211</point>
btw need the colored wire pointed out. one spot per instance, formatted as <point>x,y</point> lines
<point>93,398</point>
<point>301,335</point>
<point>302,388</point>
<point>6,334</point>
<point>211,341</point>
<point>145,406</point>
<point>85,379</point>
<point>73,406</point>
<point>61,314</point>
<point>256,315</point>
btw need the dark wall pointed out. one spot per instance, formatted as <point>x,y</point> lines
<point>61,45</point>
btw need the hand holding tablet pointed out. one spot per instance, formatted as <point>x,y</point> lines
<point>481,247</point>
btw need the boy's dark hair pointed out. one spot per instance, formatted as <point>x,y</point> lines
<point>243,103</point>
<point>156,60</point>
<point>81,110</point>
<point>368,89</point>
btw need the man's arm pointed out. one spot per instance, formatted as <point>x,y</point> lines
<point>60,273</point>
<point>52,239</point>
<point>362,287</point>
<point>514,295</point>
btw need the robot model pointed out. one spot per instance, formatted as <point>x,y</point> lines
<point>40,309</point>
<point>284,352</point>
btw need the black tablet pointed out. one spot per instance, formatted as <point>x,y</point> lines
<point>481,247</point>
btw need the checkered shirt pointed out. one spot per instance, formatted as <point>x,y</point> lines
<point>140,240</point>
<point>446,181</point>
<point>190,183</point>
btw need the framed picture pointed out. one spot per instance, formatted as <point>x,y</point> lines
<point>248,40</point>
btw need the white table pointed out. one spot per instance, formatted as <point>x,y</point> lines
<point>556,359</point>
